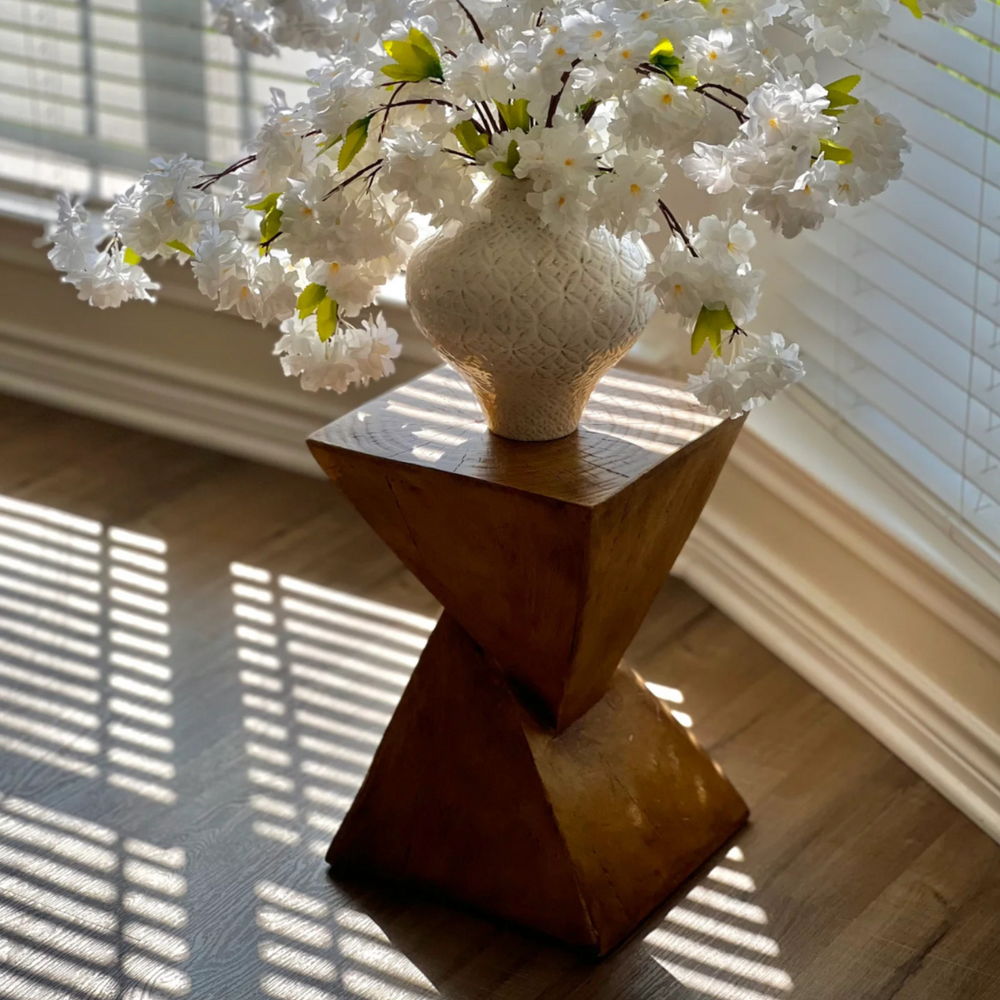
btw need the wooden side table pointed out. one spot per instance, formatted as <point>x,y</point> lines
<point>526,772</point>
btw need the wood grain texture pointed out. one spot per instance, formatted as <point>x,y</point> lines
<point>434,422</point>
<point>549,554</point>
<point>577,834</point>
<point>854,880</point>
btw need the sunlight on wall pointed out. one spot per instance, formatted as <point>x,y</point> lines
<point>712,941</point>
<point>85,909</point>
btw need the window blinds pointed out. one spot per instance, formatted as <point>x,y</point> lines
<point>897,303</point>
<point>90,89</point>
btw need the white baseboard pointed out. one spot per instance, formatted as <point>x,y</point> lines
<point>228,421</point>
<point>780,593</point>
<point>233,416</point>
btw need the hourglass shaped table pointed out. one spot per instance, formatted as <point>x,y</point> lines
<point>526,771</point>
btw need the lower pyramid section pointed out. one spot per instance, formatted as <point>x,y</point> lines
<point>577,835</point>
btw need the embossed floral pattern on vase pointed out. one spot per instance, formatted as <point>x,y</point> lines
<point>530,318</point>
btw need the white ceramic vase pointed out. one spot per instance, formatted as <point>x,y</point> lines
<point>531,319</point>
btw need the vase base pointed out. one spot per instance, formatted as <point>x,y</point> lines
<point>526,408</point>
<point>532,440</point>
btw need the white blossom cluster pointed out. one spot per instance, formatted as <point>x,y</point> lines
<point>415,104</point>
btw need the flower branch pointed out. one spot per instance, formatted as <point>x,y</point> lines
<point>472,20</point>
<point>371,168</point>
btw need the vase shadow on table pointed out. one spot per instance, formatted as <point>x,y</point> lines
<point>706,940</point>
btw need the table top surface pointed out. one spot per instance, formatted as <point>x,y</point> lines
<point>632,423</point>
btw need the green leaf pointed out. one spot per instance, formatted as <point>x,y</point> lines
<point>421,41</point>
<point>515,114</point>
<point>506,167</point>
<point>585,109</point>
<point>416,59</point>
<point>469,137</point>
<point>131,257</point>
<point>266,204</point>
<point>326,319</point>
<point>839,94</point>
<point>709,326</point>
<point>913,7</point>
<point>183,247</point>
<point>354,142</point>
<point>845,84</point>
<point>834,152</point>
<point>309,300</point>
<point>270,225</point>
<point>663,58</point>
<point>330,143</point>
<point>663,54</point>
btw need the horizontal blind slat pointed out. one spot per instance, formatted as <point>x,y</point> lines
<point>873,307</point>
<point>923,80</point>
<point>941,479</point>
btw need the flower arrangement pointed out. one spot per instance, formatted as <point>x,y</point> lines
<point>415,104</point>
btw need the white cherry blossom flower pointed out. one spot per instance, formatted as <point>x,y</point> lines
<point>561,208</point>
<point>95,267</point>
<point>724,241</point>
<point>589,31</point>
<point>677,282</point>
<point>373,348</point>
<point>711,167</point>
<point>477,74</point>
<point>109,281</point>
<point>163,208</point>
<point>626,198</point>
<point>661,114</point>
<point>752,378</point>
<point>353,287</point>
<point>802,204</point>
<point>341,94</point>
<point>718,58</point>
<point>318,365</point>
<point>562,155</point>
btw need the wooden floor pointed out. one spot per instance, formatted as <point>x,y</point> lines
<point>197,655</point>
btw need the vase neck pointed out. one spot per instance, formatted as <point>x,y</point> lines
<point>506,201</point>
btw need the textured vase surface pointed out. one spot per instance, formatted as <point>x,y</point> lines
<point>530,318</point>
